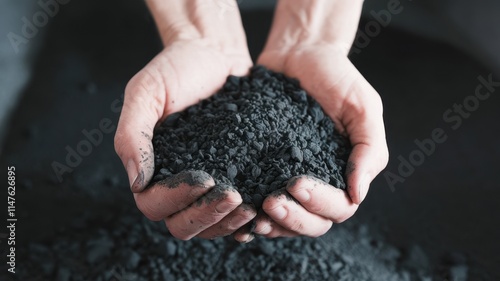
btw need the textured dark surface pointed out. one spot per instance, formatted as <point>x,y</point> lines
<point>443,219</point>
<point>255,134</point>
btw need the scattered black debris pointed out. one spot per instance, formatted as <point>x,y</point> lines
<point>131,247</point>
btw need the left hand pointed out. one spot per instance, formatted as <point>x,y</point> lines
<point>326,73</point>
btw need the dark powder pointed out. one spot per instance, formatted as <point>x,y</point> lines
<point>255,134</point>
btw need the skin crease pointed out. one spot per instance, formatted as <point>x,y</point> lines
<point>309,41</point>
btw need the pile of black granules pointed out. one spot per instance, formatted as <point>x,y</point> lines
<point>255,133</point>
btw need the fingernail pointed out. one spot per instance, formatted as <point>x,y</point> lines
<point>224,207</point>
<point>279,212</point>
<point>135,177</point>
<point>138,184</point>
<point>302,195</point>
<point>250,238</point>
<point>363,188</point>
<point>265,230</point>
<point>131,172</point>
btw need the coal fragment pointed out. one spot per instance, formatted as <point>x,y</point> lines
<point>296,154</point>
<point>255,133</point>
<point>256,171</point>
<point>231,107</point>
<point>171,119</point>
<point>171,248</point>
<point>232,171</point>
<point>165,172</point>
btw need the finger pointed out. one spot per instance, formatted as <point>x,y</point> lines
<point>142,108</point>
<point>359,115</point>
<point>205,212</point>
<point>364,164</point>
<point>171,195</point>
<point>365,127</point>
<point>244,234</point>
<point>293,217</point>
<point>320,198</point>
<point>230,223</point>
<point>266,227</point>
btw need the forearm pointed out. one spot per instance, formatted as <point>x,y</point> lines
<point>217,21</point>
<point>309,22</point>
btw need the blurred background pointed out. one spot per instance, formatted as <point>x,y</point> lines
<point>64,71</point>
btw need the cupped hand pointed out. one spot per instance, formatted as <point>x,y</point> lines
<point>184,73</point>
<point>326,73</point>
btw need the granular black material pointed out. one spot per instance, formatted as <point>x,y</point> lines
<point>126,246</point>
<point>255,134</point>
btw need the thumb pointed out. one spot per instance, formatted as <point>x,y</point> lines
<point>142,108</point>
<point>365,127</point>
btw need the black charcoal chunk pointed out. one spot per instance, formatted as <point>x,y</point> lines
<point>296,154</point>
<point>255,134</point>
<point>232,171</point>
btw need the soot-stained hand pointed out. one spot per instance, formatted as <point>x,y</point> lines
<point>184,73</point>
<point>191,204</point>
<point>326,73</point>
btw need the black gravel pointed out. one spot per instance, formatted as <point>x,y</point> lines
<point>256,133</point>
<point>127,247</point>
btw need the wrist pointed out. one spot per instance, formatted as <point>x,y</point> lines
<point>215,23</point>
<point>302,24</point>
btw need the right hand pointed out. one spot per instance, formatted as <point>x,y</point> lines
<point>184,73</point>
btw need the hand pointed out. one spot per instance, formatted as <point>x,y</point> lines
<point>326,74</point>
<point>182,74</point>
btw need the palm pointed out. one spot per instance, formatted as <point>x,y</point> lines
<point>326,74</point>
<point>186,72</point>
<point>181,75</point>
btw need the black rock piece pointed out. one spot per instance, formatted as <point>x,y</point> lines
<point>254,134</point>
